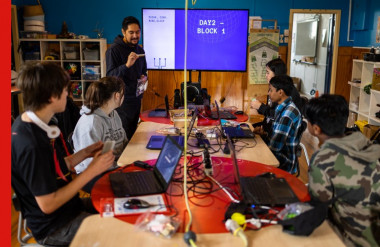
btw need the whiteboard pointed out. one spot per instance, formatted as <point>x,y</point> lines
<point>306,38</point>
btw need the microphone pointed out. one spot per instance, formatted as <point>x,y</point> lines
<point>52,130</point>
<point>177,99</point>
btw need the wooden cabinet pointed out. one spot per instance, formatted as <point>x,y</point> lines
<point>363,104</point>
<point>83,59</point>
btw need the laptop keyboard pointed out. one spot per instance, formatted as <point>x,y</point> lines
<point>260,187</point>
<point>141,181</point>
<point>223,114</point>
<point>238,132</point>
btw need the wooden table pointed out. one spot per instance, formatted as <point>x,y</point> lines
<point>136,148</point>
<point>202,120</point>
<point>97,231</point>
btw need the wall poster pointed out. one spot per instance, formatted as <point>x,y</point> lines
<point>263,47</point>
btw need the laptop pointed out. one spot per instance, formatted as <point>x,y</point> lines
<point>152,181</point>
<point>261,190</point>
<point>240,131</point>
<point>156,142</point>
<point>214,114</point>
<point>161,112</point>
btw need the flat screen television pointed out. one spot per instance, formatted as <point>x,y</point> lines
<point>217,39</point>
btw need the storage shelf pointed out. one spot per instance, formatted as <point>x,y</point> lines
<point>76,48</point>
<point>355,84</point>
<point>367,103</point>
<point>373,118</point>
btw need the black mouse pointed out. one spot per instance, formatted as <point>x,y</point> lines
<point>136,204</point>
<point>239,113</point>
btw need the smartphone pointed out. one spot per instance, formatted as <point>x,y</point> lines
<point>107,146</point>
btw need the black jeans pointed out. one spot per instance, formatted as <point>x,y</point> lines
<point>65,234</point>
<point>129,113</point>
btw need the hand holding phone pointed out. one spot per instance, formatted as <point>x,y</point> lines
<point>107,146</point>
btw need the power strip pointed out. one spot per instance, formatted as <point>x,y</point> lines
<point>207,163</point>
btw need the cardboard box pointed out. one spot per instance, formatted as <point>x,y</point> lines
<point>297,83</point>
<point>369,130</point>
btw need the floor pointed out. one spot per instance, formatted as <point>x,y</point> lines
<point>310,142</point>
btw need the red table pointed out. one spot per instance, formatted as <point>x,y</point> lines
<point>207,210</point>
<point>202,121</point>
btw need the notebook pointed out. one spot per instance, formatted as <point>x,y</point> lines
<point>261,190</point>
<point>214,114</point>
<point>156,142</point>
<point>152,181</point>
<point>161,112</point>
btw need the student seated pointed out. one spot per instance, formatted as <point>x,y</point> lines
<point>100,121</point>
<point>273,68</point>
<point>40,174</point>
<point>287,120</point>
<point>345,167</point>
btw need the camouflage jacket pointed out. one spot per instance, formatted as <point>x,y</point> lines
<point>348,169</point>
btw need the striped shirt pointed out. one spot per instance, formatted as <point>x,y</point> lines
<point>284,139</point>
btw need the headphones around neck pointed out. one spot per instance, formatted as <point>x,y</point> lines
<point>52,130</point>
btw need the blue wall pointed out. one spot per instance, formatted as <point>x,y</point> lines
<point>82,16</point>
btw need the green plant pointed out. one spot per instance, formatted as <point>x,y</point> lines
<point>367,88</point>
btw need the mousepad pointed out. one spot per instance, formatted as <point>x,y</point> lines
<point>157,201</point>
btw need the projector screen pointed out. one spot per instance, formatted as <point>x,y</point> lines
<point>216,39</point>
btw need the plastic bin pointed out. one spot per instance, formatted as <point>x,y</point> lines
<point>71,55</point>
<point>90,54</point>
<point>91,69</point>
<point>91,77</point>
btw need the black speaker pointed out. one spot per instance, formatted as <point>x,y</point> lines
<point>193,90</point>
<point>177,98</point>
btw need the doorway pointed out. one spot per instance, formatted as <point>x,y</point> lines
<point>313,49</point>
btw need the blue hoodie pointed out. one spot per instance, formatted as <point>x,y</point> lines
<point>116,58</point>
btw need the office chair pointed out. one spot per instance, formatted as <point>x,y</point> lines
<point>22,239</point>
<point>300,147</point>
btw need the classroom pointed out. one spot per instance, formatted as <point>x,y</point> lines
<point>210,99</point>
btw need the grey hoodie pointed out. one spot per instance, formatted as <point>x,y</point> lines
<point>98,127</point>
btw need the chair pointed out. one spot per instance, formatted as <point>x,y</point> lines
<point>300,147</point>
<point>22,239</point>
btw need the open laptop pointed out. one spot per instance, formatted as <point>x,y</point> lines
<point>161,112</point>
<point>152,181</point>
<point>240,131</point>
<point>214,115</point>
<point>156,142</point>
<point>261,190</point>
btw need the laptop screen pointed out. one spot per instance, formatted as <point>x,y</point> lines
<point>191,125</point>
<point>167,160</point>
<point>235,165</point>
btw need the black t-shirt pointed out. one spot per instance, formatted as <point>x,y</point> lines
<point>33,174</point>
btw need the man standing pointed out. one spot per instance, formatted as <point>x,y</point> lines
<point>125,60</point>
<point>287,120</point>
<point>345,168</point>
